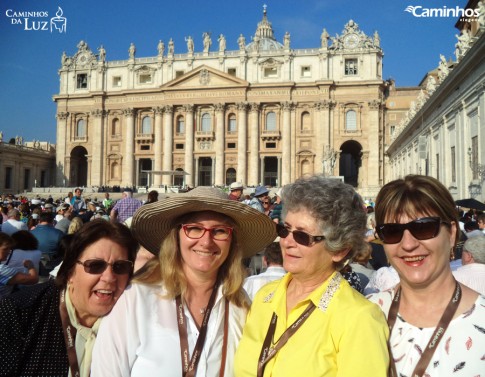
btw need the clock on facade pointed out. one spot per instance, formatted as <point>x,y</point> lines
<point>351,40</point>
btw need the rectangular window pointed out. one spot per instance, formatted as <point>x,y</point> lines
<point>179,146</point>
<point>231,145</point>
<point>145,78</point>
<point>306,71</point>
<point>82,81</point>
<point>271,72</point>
<point>231,71</point>
<point>393,129</point>
<point>116,81</point>
<point>145,147</point>
<point>453,165</point>
<point>474,157</point>
<point>8,177</point>
<point>270,145</point>
<point>178,73</point>
<point>351,67</point>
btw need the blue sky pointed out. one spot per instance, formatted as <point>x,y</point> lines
<point>30,58</point>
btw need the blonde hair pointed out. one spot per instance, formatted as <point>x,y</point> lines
<point>75,225</point>
<point>167,269</point>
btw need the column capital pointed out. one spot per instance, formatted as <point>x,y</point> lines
<point>168,109</point>
<point>253,106</point>
<point>375,104</point>
<point>220,106</point>
<point>98,113</point>
<point>129,112</point>
<point>62,115</point>
<point>158,110</point>
<point>288,105</point>
<point>242,106</point>
<point>188,108</point>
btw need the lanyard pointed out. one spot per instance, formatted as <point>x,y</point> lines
<point>69,335</point>
<point>268,352</point>
<point>189,367</point>
<point>435,338</point>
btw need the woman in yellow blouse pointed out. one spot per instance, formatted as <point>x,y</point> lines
<point>311,322</point>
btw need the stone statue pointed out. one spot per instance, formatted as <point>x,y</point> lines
<point>329,159</point>
<point>324,39</point>
<point>463,44</point>
<point>241,41</point>
<point>286,40</point>
<point>160,47</point>
<point>256,43</point>
<point>207,41</point>
<point>102,53</point>
<point>171,47</point>
<point>1,136</point>
<point>132,51</point>
<point>421,99</point>
<point>412,110</point>
<point>431,85</point>
<point>377,39</point>
<point>222,43</point>
<point>443,68</point>
<point>82,46</point>
<point>64,58</point>
<point>190,44</point>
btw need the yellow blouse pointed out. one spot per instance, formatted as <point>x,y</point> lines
<point>346,335</point>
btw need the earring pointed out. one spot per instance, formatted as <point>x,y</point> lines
<point>452,253</point>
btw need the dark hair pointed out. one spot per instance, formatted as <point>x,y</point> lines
<point>25,240</point>
<point>64,244</point>
<point>413,196</point>
<point>471,225</point>
<point>46,217</point>
<point>6,240</point>
<point>90,233</point>
<point>272,253</point>
<point>152,196</point>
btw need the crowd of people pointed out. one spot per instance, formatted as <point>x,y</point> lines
<point>165,286</point>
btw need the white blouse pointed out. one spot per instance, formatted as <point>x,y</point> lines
<point>140,337</point>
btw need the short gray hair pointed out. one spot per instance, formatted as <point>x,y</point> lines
<point>476,247</point>
<point>337,209</point>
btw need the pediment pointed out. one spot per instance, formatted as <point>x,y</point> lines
<point>205,77</point>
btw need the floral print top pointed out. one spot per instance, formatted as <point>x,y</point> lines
<point>461,351</point>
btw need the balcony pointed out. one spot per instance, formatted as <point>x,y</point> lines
<point>144,138</point>
<point>80,139</point>
<point>204,135</point>
<point>270,135</point>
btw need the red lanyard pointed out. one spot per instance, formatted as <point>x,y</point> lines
<point>189,367</point>
<point>435,338</point>
<point>69,335</point>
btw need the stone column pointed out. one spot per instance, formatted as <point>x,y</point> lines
<point>261,169</point>
<point>371,172</point>
<point>129,157</point>
<point>219,146</point>
<point>96,171</point>
<point>189,144</point>
<point>286,144</point>
<point>66,182</point>
<point>157,178</point>
<point>242,140</point>
<point>61,172</point>
<point>279,172</point>
<point>196,172</point>
<point>254,144</point>
<point>213,166</point>
<point>167,143</point>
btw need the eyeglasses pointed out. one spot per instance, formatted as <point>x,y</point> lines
<point>265,202</point>
<point>299,236</point>
<point>421,229</point>
<point>218,233</point>
<point>98,266</point>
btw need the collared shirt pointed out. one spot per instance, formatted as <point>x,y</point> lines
<point>472,275</point>
<point>256,204</point>
<point>460,351</point>
<point>344,336</point>
<point>254,283</point>
<point>126,208</point>
<point>140,336</point>
<point>12,225</point>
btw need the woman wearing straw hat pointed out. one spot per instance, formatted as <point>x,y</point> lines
<point>184,314</point>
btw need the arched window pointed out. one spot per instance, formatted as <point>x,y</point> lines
<point>206,123</point>
<point>81,128</point>
<point>180,125</point>
<point>231,126</point>
<point>305,121</point>
<point>115,127</point>
<point>146,125</point>
<point>230,176</point>
<point>271,121</point>
<point>351,120</point>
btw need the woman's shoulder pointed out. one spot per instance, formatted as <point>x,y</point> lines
<point>34,298</point>
<point>382,299</point>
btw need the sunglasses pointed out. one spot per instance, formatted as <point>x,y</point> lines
<point>218,233</point>
<point>98,266</point>
<point>421,229</point>
<point>299,236</point>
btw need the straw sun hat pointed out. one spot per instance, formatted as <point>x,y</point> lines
<point>153,222</point>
